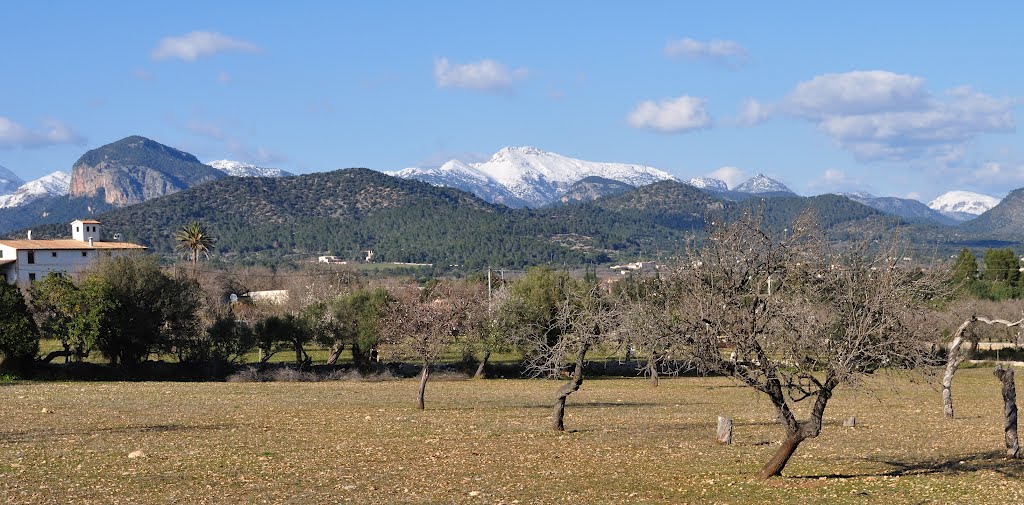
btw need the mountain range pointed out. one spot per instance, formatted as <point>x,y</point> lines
<point>593,218</point>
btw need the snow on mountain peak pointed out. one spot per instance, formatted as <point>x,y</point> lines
<point>963,202</point>
<point>528,176</point>
<point>55,184</point>
<point>240,169</point>
<point>761,183</point>
<point>709,184</point>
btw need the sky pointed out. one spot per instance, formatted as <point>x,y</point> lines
<point>908,99</point>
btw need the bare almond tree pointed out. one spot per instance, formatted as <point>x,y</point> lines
<point>965,334</point>
<point>649,326</point>
<point>422,324</point>
<point>800,318</point>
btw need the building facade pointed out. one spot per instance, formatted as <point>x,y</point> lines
<point>29,260</point>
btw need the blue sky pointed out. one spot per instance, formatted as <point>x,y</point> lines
<point>895,98</point>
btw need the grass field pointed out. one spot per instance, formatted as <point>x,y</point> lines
<point>488,442</point>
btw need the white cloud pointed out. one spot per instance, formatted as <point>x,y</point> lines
<point>484,75</point>
<point>671,115</point>
<point>754,112</point>
<point>732,176</point>
<point>223,77</point>
<point>728,52</point>
<point>859,92</point>
<point>53,132</point>
<point>879,115</point>
<point>193,45</point>
<point>913,195</point>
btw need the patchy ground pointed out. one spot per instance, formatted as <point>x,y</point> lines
<point>488,442</point>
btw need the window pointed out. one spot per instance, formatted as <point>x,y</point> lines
<point>85,253</point>
<point>78,228</point>
<point>31,257</point>
<point>53,254</point>
<point>31,276</point>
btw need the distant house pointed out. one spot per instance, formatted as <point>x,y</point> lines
<point>29,260</point>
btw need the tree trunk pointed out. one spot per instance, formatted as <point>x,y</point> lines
<point>652,369</point>
<point>953,361</point>
<point>298,353</point>
<point>480,374</point>
<point>336,353</point>
<point>775,465</point>
<point>423,386</point>
<point>558,415</point>
<point>1009,410</point>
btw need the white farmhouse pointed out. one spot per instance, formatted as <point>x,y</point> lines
<point>29,260</point>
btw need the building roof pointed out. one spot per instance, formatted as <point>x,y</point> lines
<point>68,244</point>
<point>86,221</point>
<point>4,262</point>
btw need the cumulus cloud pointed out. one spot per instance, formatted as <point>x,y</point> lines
<point>483,75</point>
<point>254,154</point>
<point>671,115</point>
<point>879,115</point>
<point>732,176</point>
<point>194,45</point>
<point>53,132</point>
<point>727,52</point>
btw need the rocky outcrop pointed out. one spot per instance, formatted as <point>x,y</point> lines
<point>135,169</point>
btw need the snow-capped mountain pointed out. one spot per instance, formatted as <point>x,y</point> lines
<point>55,184</point>
<point>903,207</point>
<point>240,169</point>
<point>762,184</point>
<point>963,205</point>
<point>8,181</point>
<point>527,176</point>
<point>709,184</point>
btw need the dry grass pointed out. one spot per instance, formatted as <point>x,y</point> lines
<point>488,442</point>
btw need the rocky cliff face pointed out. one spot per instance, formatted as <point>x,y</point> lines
<point>135,169</point>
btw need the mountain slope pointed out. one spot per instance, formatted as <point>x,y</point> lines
<point>709,184</point>
<point>240,169</point>
<point>55,184</point>
<point>527,176</point>
<point>906,208</point>
<point>8,181</point>
<point>135,169</point>
<point>1005,219</point>
<point>592,188</point>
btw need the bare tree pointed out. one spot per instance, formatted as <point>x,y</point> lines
<point>649,327</point>
<point>424,323</point>
<point>802,319</point>
<point>966,333</point>
<point>583,321</point>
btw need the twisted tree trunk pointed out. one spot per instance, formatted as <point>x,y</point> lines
<point>423,386</point>
<point>956,357</point>
<point>558,415</point>
<point>953,361</point>
<point>335,354</point>
<point>480,372</point>
<point>652,369</point>
<point>796,432</point>
<point>1009,410</point>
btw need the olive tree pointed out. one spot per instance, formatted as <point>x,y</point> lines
<point>19,336</point>
<point>801,317</point>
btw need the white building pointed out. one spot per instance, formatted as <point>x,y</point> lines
<point>29,260</point>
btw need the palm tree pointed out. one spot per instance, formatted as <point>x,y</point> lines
<point>194,239</point>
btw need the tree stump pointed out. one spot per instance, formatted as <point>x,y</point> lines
<point>850,422</point>
<point>1009,410</point>
<point>724,435</point>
